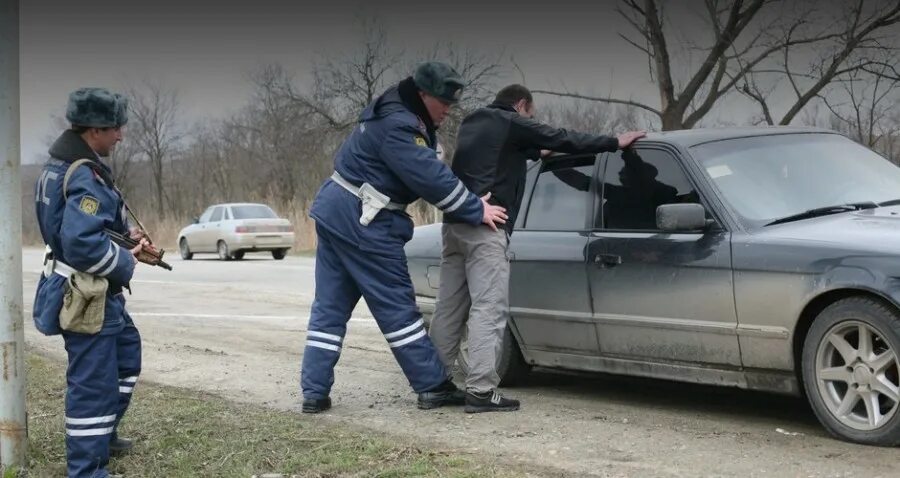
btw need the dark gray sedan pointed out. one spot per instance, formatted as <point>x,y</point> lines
<point>760,258</point>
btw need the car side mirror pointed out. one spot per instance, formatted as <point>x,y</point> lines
<point>682,217</point>
<point>196,220</point>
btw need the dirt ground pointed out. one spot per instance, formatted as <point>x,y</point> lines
<point>237,329</point>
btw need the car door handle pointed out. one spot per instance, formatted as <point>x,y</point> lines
<point>603,260</point>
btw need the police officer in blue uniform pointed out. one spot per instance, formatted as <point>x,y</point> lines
<point>104,366</point>
<point>387,162</point>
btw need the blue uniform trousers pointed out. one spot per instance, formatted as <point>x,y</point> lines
<point>102,373</point>
<point>343,275</point>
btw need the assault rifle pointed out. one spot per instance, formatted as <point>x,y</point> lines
<point>149,253</point>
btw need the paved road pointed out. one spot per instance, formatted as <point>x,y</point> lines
<point>237,329</point>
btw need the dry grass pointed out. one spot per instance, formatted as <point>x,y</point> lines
<point>187,433</point>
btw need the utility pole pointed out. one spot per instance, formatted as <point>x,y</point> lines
<point>13,436</point>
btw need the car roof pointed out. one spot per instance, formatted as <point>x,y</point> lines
<point>694,137</point>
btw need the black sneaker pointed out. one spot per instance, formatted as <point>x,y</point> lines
<point>489,402</point>
<point>446,394</point>
<point>119,446</point>
<point>316,405</point>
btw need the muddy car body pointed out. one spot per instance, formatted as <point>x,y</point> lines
<point>760,258</point>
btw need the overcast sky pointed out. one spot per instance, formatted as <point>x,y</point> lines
<point>205,50</point>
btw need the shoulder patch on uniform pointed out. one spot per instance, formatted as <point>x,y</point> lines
<point>421,141</point>
<point>89,205</point>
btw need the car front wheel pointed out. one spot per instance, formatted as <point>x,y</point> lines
<point>850,370</point>
<point>184,249</point>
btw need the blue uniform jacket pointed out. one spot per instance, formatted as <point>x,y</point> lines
<point>73,229</point>
<point>392,150</point>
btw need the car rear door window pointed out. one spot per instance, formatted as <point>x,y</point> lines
<point>216,215</point>
<point>561,197</point>
<point>254,211</point>
<point>636,182</point>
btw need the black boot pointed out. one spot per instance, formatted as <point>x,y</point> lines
<point>316,405</point>
<point>445,394</point>
<point>119,446</point>
<point>489,402</point>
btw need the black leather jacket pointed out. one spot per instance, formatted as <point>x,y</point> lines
<point>493,147</point>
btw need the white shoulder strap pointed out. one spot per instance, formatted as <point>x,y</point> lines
<point>69,173</point>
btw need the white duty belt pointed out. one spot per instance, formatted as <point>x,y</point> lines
<point>53,266</point>
<point>372,200</point>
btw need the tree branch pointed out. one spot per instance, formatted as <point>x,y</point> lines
<point>661,54</point>
<point>600,99</point>
<point>853,40</point>
<point>636,45</point>
<point>755,94</point>
<point>734,25</point>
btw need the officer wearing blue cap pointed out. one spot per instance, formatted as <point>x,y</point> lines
<point>79,295</point>
<point>387,162</point>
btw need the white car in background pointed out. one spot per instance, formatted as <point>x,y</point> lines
<point>232,229</point>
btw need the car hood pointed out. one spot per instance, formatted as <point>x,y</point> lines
<point>876,230</point>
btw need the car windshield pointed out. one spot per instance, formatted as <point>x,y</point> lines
<point>252,211</point>
<point>767,178</point>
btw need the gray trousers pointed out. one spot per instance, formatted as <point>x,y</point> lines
<point>474,292</point>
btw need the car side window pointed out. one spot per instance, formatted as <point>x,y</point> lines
<point>216,215</point>
<point>636,182</point>
<point>561,196</point>
<point>206,215</point>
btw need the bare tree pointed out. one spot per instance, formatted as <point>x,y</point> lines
<point>279,147</point>
<point>866,114</point>
<point>121,160</point>
<point>155,130</point>
<point>752,37</point>
<point>291,138</point>
<point>344,85</point>
<point>597,118</point>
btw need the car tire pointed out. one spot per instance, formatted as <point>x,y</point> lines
<point>185,250</point>
<point>853,384</point>
<point>511,367</point>
<point>222,249</point>
<point>279,254</point>
<point>237,255</point>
